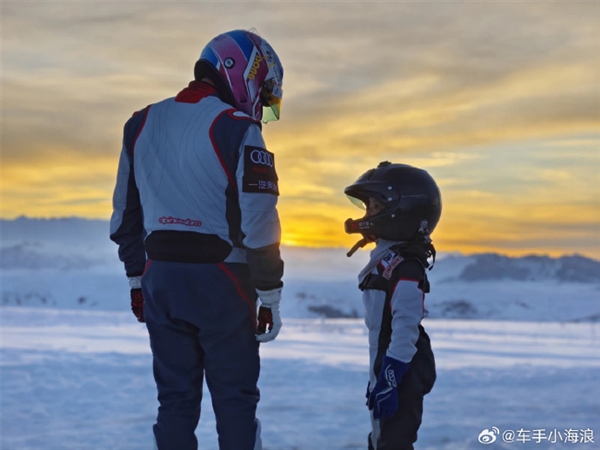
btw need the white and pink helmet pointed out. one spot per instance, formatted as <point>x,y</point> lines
<point>250,68</point>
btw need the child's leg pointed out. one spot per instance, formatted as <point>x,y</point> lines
<point>400,431</point>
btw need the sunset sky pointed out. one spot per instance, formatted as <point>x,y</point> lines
<point>499,101</point>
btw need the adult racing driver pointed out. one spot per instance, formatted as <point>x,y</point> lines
<point>198,232</point>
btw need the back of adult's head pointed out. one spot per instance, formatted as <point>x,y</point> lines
<point>246,71</point>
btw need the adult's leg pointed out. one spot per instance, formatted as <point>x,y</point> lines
<point>177,358</point>
<point>232,361</point>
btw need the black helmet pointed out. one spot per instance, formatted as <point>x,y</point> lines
<point>411,201</point>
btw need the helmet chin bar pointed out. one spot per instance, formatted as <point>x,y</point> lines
<point>361,226</point>
<point>358,225</point>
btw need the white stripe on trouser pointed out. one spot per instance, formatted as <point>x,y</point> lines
<point>375,431</point>
<point>373,350</point>
<point>258,442</point>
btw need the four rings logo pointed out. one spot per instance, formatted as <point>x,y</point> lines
<point>259,171</point>
<point>261,157</point>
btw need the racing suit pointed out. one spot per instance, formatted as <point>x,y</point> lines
<point>394,284</point>
<point>195,213</point>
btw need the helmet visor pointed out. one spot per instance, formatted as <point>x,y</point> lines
<point>357,202</point>
<point>271,96</point>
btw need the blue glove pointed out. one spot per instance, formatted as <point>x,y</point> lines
<point>383,399</point>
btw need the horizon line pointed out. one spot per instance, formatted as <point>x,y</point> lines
<point>441,253</point>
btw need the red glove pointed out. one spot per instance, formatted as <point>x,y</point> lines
<point>265,317</point>
<point>137,304</point>
<point>269,317</point>
<point>137,298</point>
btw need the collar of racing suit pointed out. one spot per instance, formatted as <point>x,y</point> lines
<point>196,91</point>
<point>381,249</point>
<point>422,250</point>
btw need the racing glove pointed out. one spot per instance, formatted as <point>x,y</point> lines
<point>268,315</point>
<point>383,399</point>
<point>137,299</point>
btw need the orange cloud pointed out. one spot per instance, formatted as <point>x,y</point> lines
<point>498,101</point>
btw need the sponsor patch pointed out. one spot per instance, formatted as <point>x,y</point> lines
<point>259,171</point>
<point>389,263</point>
<point>164,220</point>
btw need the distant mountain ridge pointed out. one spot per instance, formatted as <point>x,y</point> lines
<point>491,266</point>
<point>58,243</point>
<point>31,229</point>
<point>77,243</point>
<point>71,263</point>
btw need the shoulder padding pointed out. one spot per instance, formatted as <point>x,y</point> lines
<point>393,268</point>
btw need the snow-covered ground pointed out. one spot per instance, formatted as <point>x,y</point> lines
<point>517,343</point>
<point>322,283</point>
<point>82,380</point>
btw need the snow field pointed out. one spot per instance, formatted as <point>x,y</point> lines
<point>82,380</point>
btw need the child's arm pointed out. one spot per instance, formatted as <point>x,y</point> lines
<point>407,305</point>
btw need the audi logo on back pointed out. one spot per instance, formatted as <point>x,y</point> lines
<point>261,157</point>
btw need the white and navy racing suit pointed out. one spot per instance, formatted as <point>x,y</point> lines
<point>195,212</point>
<point>394,284</point>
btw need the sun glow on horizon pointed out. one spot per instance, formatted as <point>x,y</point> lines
<point>507,123</point>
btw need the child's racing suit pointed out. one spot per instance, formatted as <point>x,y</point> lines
<point>394,284</point>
